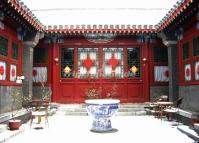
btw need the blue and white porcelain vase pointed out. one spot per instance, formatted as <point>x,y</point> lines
<point>101,110</point>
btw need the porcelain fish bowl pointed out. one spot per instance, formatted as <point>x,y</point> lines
<point>101,110</point>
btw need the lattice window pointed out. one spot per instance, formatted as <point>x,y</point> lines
<point>113,63</point>
<point>133,62</point>
<point>196,46</point>
<point>40,55</point>
<point>88,62</point>
<point>185,51</point>
<point>14,51</point>
<point>160,54</point>
<point>3,46</point>
<point>67,62</point>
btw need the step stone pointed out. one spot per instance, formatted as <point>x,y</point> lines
<point>128,109</point>
<point>189,132</point>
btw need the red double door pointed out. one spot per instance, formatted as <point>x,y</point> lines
<point>116,72</point>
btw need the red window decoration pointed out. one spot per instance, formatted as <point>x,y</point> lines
<point>166,73</point>
<point>13,72</point>
<point>2,70</point>
<point>113,63</point>
<point>161,73</point>
<point>197,70</point>
<point>88,63</point>
<point>187,72</point>
<point>34,72</point>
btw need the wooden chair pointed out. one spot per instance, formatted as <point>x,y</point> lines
<point>39,110</point>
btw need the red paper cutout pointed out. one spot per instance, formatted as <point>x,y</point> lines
<point>2,70</point>
<point>166,73</point>
<point>113,62</point>
<point>187,72</point>
<point>197,69</point>
<point>88,63</point>
<point>13,72</point>
<point>34,72</point>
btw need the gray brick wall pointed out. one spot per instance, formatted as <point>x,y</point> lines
<point>190,96</point>
<point>6,98</point>
<point>156,91</point>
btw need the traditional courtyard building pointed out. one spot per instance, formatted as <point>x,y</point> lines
<point>138,62</point>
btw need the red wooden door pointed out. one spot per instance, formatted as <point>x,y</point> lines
<point>113,70</point>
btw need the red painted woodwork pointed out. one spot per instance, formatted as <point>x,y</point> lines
<point>72,90</point>
<point>11,35</point>
<point>190,33</point>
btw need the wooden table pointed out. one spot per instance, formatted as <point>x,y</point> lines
<point>162,106</point>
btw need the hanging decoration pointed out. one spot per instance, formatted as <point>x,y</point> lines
<point>187,72</point>
<point>161,74</point>
<point>197,70</point>
<point>2,70</point>
<point>67,70</point>
<point>13,75</point>
<point>134,69</point>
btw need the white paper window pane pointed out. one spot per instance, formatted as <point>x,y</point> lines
<point>82,71</point>
<point>40,74</point>
<point>107,70</point>
<point>13,72</point>
<point>161,73</point>
<point>93,56</point>
<point>93,71</point>
<point>118,71</point>
<point>108,55</point>
<point>83,56</point>
<point>118,55</point>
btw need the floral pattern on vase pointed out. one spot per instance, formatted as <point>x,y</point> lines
<point>101,110</point>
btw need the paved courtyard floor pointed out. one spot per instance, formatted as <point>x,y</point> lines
<point>76,129</point>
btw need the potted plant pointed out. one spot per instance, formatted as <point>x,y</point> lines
<point>16,96</point>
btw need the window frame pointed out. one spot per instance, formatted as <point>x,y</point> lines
<point>192,60</point>
<point>47,64</point>
<point>155,63</point>
<point>11,37</point>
